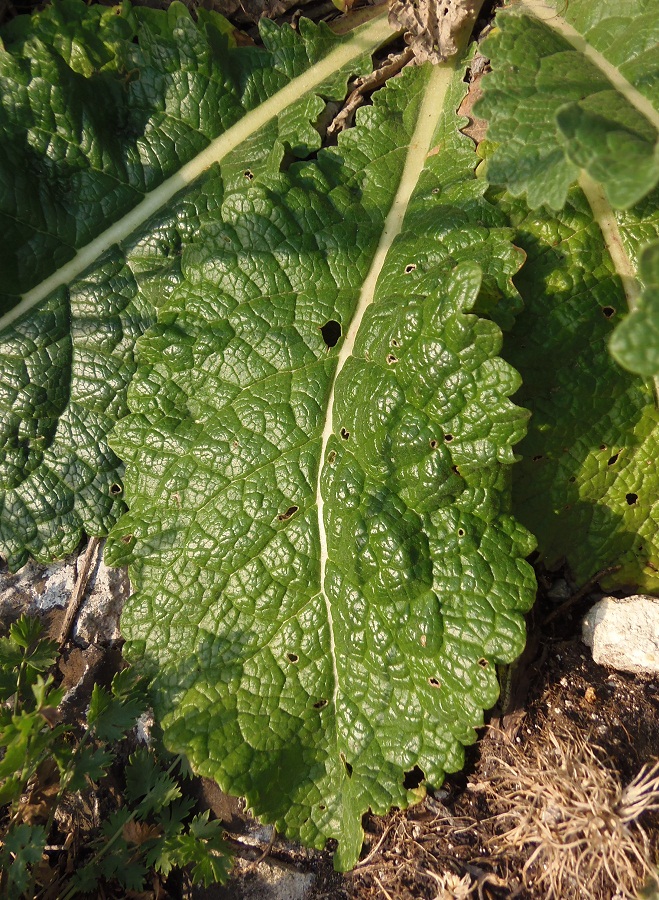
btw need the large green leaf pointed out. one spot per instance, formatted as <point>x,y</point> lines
<point>575,86</point>
<point>587,484</point>
<point>319,537</point>
<point>105,116</point>
<point>573,96</point>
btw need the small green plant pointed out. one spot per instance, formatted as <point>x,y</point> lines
<point>45,761</point>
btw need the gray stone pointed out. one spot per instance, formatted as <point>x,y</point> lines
<point>559,591</point>
<point>267,879</point>
<point>276,881</point>
<point>40,588</point>
<point>624,634</point>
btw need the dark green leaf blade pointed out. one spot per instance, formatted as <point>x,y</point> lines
<point>26,631</point>
<point>147,785</point>
<point>308,676</point>
<point>176,99</point>
<point>88,763</point>
<point>22,848</point>
<point>112,715</point>
<point>11,657</point>
<point>574,87</point>
<point>586,484</point>
<point>202,848</point>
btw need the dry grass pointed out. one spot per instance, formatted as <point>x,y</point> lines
<point>561,804</point>
<point>426,854</point>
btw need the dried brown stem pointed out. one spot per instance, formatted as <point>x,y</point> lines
<point>580,594</point>
<point>365,85</point>
<point>79,588</point>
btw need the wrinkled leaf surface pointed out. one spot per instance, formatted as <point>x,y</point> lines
<point>587,484</point>
<point>635,343</point>
<point>574,86</point>
<point>325,565</point>
<point>105,115</point>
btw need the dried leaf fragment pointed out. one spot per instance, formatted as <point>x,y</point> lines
<point>434,28</point>
<point>139,832</point>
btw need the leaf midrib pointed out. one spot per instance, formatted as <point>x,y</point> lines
<point>432,108</point>
<point>547,14</point>
<point>364,40</point>
<point>605,217</point>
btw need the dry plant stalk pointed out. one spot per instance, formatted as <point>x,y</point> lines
<point>583,828</point>
<point>413,858</point>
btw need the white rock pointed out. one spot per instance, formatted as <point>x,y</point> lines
<point>38,588</point>
<point>271,880</point>
<point>624,634</point>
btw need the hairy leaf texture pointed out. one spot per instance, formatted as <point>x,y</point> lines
<point>320,540</point>
<point>106,115</point>
<point>574,87</point>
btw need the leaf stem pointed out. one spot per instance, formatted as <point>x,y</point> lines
<point>605,217</point>
<point>19,678</point>
<point>78,590</point>
<point>547,14</point>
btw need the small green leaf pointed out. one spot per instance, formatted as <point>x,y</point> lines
<point>202,827</point>
<point>203,848</point>
<point>130,875</point>
<point>23,847</point>
<point>88,763</point>
<point>44,696</point>
<point>115,822</point>
<point>172,817</point>
<point>11,655</point>
<point>210,860</point>
<point>24,644</point>
<point>147,785</point>
<point>118,861</point>
<point>112,715</point>
<point>27,738</point>
<point>635,342</point>
<point>129,687</point>
<point>8,685</point>
<point>11,789</point>
<point>163,856</point>
<point>14,737</point>
<point>26,631</point>
<point>211,868</point>
<point>42,656</point>
<point>85,878</point>
<point>99,704</point>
